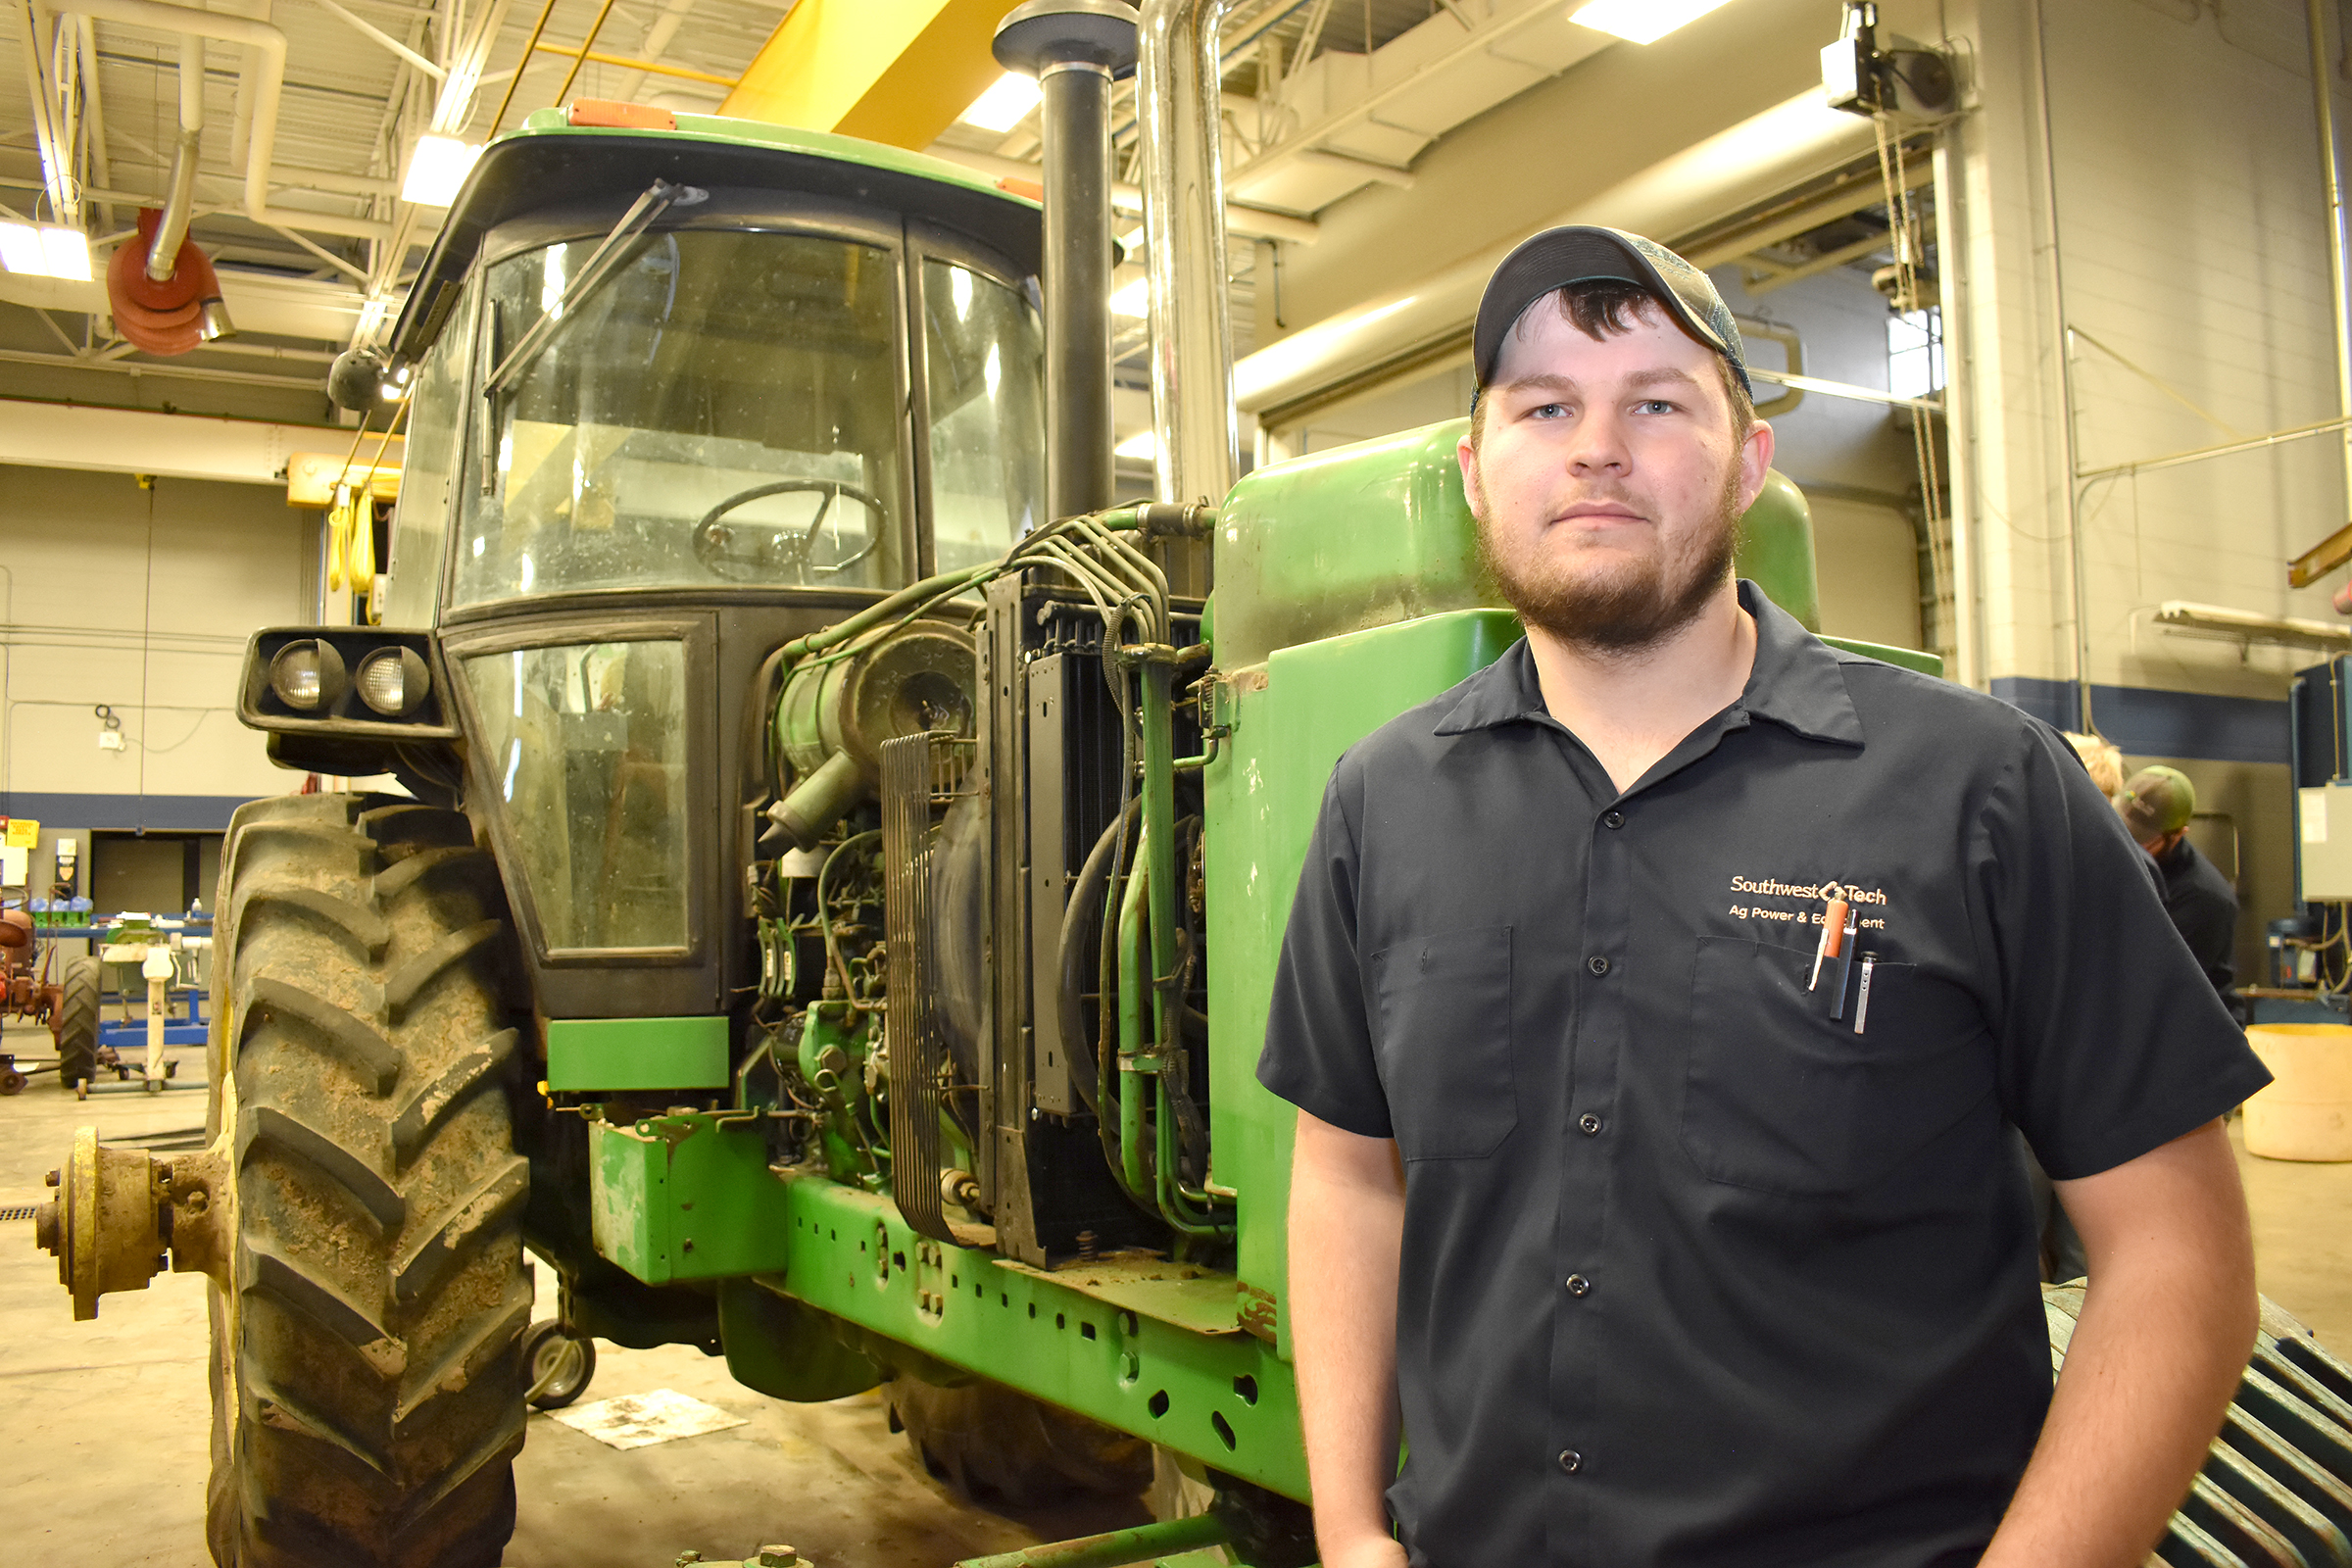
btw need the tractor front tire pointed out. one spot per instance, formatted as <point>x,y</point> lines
<point>997,1445</point>
<point>76,1025</point>
<point>367,1393</point>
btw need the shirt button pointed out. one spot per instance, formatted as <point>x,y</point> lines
<point>1612,820</point>
<point>1590,1123</point>
<point>1597,964</point>
<point>1571,1460</point>
<point>1578,1285</point>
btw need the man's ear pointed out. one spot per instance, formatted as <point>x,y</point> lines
<point>1467,456</point>
<point>1756,461</point>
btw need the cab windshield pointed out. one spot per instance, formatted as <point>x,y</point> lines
<point>721,409</point>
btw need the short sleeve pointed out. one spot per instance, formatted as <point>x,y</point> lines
<point>1318,1049</point>
<point>2112,1040</point>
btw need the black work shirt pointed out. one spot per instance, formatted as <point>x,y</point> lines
<point>1694,1273</point>
<point>2204,909</point>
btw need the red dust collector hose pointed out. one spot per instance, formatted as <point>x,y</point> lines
<point>170,317</point>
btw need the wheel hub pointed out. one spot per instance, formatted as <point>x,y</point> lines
<point>122,1215</point>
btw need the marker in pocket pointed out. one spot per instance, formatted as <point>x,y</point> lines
<point>1834,927</point>
<point>1845,964</point>
<point>1862,1001</point>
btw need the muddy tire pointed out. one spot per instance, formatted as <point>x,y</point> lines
<point>367,1393</point>
<point>75,1027</point>
<point>998,1446</point>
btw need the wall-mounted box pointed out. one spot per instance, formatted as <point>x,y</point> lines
<point>2323,829</point>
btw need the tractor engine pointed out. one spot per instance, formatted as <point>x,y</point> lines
<point>971,822</point>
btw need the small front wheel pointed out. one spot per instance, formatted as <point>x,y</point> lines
<point>557,1363</point>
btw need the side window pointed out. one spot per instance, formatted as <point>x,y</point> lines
<point>984,360</point>
<point>435,443</point>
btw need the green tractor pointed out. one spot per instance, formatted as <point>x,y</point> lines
<point>796,930</point>
<point>832,911</point>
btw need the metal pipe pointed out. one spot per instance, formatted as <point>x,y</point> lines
<point>2080,593</point>
<point>2252,443</point>
<point>1178,92</point>
<point>1138,1544</point>
<point>2322,102</point>
<point>1960,418</point>
<point>179,206</point>
<point>1134,1062</point>
<point>1075,115</point>
<point>632,63</point>
<point>55,161</point>
<point>1074,47</point>
<point>571,75</point>
<point>1159,841</point>
<point>258,93</point>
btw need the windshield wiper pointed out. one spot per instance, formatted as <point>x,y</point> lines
<point>602,263</point>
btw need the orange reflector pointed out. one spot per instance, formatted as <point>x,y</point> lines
<point>605,112</point>
<point>1023,187</point>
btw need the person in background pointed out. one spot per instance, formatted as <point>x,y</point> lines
<point>2156,805</point>
<point>2103,759</point>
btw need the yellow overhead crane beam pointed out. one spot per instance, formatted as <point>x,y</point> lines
<point>890,70</point>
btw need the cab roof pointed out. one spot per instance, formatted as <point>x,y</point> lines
<point>550,161</point>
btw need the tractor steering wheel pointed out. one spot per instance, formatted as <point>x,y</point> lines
<point>777,553</point>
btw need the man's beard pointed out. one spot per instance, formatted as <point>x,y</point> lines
<point>1621,612</point>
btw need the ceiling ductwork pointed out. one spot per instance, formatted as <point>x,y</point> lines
<point>181,312</point>
<point>1407,327</point>
<point>161,291</point>
<point>258,90</point>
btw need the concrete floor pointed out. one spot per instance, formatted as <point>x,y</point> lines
<point>103,1424</point>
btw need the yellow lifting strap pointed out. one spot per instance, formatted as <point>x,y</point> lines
<point>338,524</point>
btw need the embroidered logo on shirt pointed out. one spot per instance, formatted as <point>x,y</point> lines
<point>1773,900</point>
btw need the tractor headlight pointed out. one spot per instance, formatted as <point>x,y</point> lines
<point>393,681</point>
<point>307,675</point>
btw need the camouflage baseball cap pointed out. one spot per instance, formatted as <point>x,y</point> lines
<point>1584,253</point>
<point>2157,800</point>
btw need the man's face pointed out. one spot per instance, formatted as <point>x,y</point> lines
<point>1608,484</point>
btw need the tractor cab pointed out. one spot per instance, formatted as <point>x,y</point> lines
<point>673,396</point>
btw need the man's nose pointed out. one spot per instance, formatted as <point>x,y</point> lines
<point>1598,444</point>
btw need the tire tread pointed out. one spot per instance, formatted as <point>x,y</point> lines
<point>382,1293</point>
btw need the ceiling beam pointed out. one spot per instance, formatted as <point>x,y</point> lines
<point>890,70</point>
<point>178,446</point>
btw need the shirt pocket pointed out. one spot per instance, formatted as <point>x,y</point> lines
<point>1779,1096</point>
<point>1444,1042</point>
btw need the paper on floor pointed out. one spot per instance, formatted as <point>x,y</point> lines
<point>639,1420</point>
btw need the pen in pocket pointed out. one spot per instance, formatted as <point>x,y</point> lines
<point>1862,1001</point>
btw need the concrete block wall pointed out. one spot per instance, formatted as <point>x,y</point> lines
<point>140,601</point>
<point>2190,222</point>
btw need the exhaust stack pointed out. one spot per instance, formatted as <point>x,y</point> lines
<point>1074,48</point>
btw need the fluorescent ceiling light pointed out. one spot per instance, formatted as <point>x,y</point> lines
<point>1004,105</point>
<point>20,250</point>
<point>1143,445</point>
<point>1135,300</point>
<point>45,250</point>
<point>68,251</point>
<point>436,169</point>
<point>1639,21</point>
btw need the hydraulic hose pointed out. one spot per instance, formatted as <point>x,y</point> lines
<point>1086,892</point>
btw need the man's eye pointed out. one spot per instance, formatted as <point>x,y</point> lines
<point>1653,406</point>
<point>1549,411</point>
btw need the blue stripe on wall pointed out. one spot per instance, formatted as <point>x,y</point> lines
<point>179,813</point>
<point>2147,722</point>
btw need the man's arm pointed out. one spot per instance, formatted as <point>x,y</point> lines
<point>1347,1233</point>
<point>2168,1319</point>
